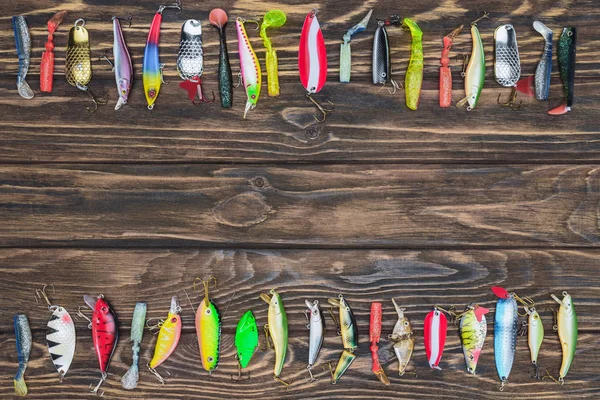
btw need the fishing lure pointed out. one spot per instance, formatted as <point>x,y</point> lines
<point>434,333</point>
<point>475,72</point>
<point>277,330</point>
<point>105,333</point>
<point>152,69</point>
<point>414,74</point>
<point>567,333</point>
<point>218,18</point>
<point>316,325</point>
<point>246,340</point>
<point>535,336</point>
<point>349,331</point>
<point>312,61</point>
<point>272,19</point>
<point>24,343</point>
<point>129,381</point>
<point>190,61</point>
<point>168,337</point>
<point>445,72</point>
<point>567,45</point>
<point>402,338</point>
<point>208,329</point>
<point>122,64</point>
<point>60,337</point>
<point>78,69</point>
<point>507,66</point>
<point>249,65</point>
<point>345,50</point>
<point>23,44</point>
<point>47,64</point>
<point>381,62</point>
<point>374,337</point>
<point>473,329</point>
<point>506,321</point>
<point>543,71</point>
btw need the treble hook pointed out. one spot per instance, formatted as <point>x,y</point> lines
<point>512,99</point>
<point>465,58</point>
<point>152,328</point>
<point>96,101</point>
<point>252,21</point>
<point>335,321</point>
<point>523,330</point>
<point>312,377</point>
<point>239,377</point>
<point>267,337</point>
<point>105,58</point>
<point>554,317</point>
<point>82,315</point>
<point>560,379</point>
<point>155,373</point>
<point>176,5</point>
<point>322,109</point>
<point>128,18</point>
<point>95,389</point>
<point>161,67</point>
<point>41,293</point>
<point>450,311</point>
<point>537,372</point>
<point>485,15</point>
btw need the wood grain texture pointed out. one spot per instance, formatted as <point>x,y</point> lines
<point>416,279</point>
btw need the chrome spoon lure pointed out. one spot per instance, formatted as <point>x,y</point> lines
<point>190,61</point>
<point>507,66</point>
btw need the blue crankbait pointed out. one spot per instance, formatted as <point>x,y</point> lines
<point>506,324</point>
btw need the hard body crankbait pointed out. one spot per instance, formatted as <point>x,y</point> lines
<point>24,343</point>
<point>506,321</point>
<point>349,332</point>
<point>345,50</point>
<point>168,338</point>
<point>414,74</point>
<point>312,60</point>
<point>246,339</point>
<point>47,64</point>
<point>218,18</point>
<point>535,336</point>
<point>23,44</point>
<point>190,61</point>
<point>105,333</point>
<point>129,381</point>
<point>543,71</point>
<point>445,73</point>
<point>316,327</point>
<point>473,329</point>
<point>402,338</point>
<point>249,66</point>
<point>566,62</point>
<point>374,337</point>
<point>434,334</point>
<point>567,333</point>
<point>122,64</point>
<point>61,336</point>
<point>277,328</point>
<point>151,66</point>
<point>507,65</point>
<point>475,72</point>
<point>272,19</point>
<point>381,63</point>
<point>208,329</point>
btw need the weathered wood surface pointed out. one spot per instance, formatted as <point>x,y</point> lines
<point>416,279</point>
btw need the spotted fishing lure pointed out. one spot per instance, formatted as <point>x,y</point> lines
<point>190,61</point>
<point>567,45</point>
<point>316,326</point>
<point>434,332</point>
<point>208,329</point>
<point>312,60</point>
<point>129,381</point>
<point>276,331</point>
<point>445,73</point>
<point>122,64</point>
<point>349,331</point>
<point>24,344</point>
<point>23,44</point>
<point>345,50</point>
<point>249,66</point>
<point>473,330</point>
<point>414,73</point>
<point>404,343</point>
<point>506,323</point>
<point>374,337</point>
<point>168,338</point>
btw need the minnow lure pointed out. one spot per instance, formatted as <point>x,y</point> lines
<point>506,322</point>
<point>208,329</point>
<point>218,18</point>
<point>316,326</point>
<point>414,74</point>
<point>349,331</point>
<point>434,334</point>
<point>475,72</point>
<point>345,50</point>
<point>535,336</point>
<point>277,330</point>
<point>246,340</point>
<point>272,19</point>
<point>381,62</point>
<point>47,64</point>
<point>152,69</point>
<point>122,64</point>
<point>129,381</point>
<point>168,338</point>
<point>374,337</point>
<point>567,45</point>
<point>312,60</point>
<point>445,72</point>
<point>402,338</point>
<point>23,44</point>
<point>60,337</point>
<point>507,65</point>
<point>24,343</point>
<point>190,61</point>
<point>567,333</point>
<point>249,65</point>
<point>105,333</point>
<point>543,71</point>
<point>78,70</point>
<point>473,329</point>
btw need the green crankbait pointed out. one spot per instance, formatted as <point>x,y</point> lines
<point>414,74</point>
<point>277,330</point>
<point>534,328</point>
<point>349,331</point>
<point>246,340</point>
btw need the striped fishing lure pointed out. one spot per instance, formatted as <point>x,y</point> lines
<point>434,332</point>
<point>473,330</point>
<point>506,323</point>
<point>249,66</point>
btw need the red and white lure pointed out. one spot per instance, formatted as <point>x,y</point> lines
<point>312,60</point>
<point>434,332</point>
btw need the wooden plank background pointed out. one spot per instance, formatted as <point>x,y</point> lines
<point>429,207</point>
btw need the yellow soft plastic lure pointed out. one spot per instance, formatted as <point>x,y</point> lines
<point>272,19</point>
<point>414,74</point>
<point>208,329</point>
<point>168,337</point>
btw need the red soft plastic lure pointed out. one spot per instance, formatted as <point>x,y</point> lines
<point>434,332</point>
<point>445,73</point>
<point>375,335</point>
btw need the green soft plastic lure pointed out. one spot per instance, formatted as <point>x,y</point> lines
<point>272,19</point>
<point>414,74</point>
<point>567,333</point>
<point>349,332</point>
<point>277,330</point>
<point>246,339</point>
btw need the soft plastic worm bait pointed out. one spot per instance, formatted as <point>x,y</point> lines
<point>345,50</point>
<point>47,64</point>
<point>414,73</point>
<point>272,19</point>
<point>129,381</point>
<point>445,72</point>
<point>567,45</point>
<point>374,336</point>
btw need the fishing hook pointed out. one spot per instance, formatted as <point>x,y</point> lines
<point>485,15</point>
<point>161,67</point>
<point>155,373</point>
<point>239,377</point>
<point>105,58</point>
<point>335,321</point>
<point>560,379</point>
<point>450,311</point>
<point>153,328</point>
<point>200,93</point>
<point>554,317</point>
<point>82,315</point>
<point>267,337</point>
<point>322,109</point>
<point>455,32</point>
<point>252,21</point>
<point>95,389</point>
<point>312,377</point>
<point>537,372</point>
<point>524,328</point>
<point>41,293</point>
<point>465,58</point>
<point>97,101</point>
<point>512,100</point>
<point>176,5</point>
<point>128,18</point>
<point>284,383</point>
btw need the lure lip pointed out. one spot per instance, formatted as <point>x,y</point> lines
<point>500,292</point>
